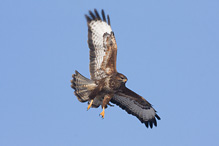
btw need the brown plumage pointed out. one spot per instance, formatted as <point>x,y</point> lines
<point>106,84</point>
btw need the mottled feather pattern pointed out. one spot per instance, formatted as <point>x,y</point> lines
<point>106,41</point>
<point>106,84</point>
<point>97,27</point>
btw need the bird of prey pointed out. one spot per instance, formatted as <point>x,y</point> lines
<point>106,84</point>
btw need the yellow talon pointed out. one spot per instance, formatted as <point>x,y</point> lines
<point>102,113</point>
<point>90,104</point>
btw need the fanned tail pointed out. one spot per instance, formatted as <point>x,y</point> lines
<point>82,86</point>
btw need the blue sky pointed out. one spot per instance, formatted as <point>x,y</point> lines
<point>169,50</point>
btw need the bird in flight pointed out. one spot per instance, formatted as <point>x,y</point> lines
<point>106,85</point>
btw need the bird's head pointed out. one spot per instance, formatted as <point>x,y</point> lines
<point>121,78</point>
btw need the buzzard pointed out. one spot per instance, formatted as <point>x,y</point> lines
<point>106,84</point>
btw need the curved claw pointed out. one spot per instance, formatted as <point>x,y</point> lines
<point>103,113</point>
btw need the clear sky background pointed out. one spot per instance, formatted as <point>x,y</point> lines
<point>169,50</point>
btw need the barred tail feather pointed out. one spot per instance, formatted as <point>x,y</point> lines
<point>82,86</point>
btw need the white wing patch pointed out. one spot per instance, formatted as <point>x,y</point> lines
<point>96,29</point>
<point>99,28</point>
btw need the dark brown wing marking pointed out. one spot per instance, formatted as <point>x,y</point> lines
<point>109,63</point>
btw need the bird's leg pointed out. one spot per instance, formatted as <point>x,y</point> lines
<point>90,104</point>
<point>103,113</point>
<point>93,95</point>
<point>105,102</point>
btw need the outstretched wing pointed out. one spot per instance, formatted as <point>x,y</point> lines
<point>102,44</point>
<point>136,105</point>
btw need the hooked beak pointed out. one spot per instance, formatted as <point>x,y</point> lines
<point>124,80</point>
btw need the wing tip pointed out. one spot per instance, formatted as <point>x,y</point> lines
<point>151,123</point>
<point>88,18</point>
<point>103,15</point>
<point>108,18</point>
<point>95,16</point>
<point>157,117</point>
